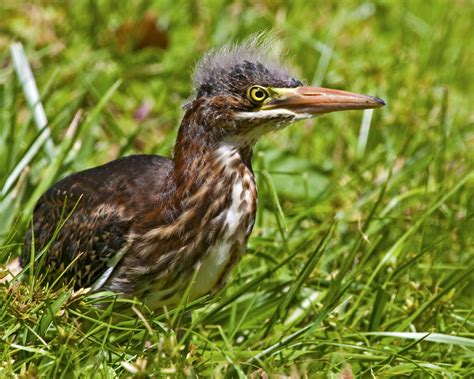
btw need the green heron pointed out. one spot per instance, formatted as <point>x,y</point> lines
<point>145,226</point>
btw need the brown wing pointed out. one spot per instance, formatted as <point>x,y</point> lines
<point>85,219</point>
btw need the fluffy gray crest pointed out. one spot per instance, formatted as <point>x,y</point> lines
<point>232,68</point>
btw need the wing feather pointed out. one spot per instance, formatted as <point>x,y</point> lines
<point>85,220</point>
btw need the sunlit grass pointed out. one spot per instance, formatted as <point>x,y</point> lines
<point>361,260</point>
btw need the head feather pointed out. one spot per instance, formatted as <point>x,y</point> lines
<point>232,68</point>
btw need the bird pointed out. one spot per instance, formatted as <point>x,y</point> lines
<point>156,228</point>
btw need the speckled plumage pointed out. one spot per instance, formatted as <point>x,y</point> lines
<point>145,225</point>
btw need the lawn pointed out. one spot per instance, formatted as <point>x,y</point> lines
<point>361,262</point>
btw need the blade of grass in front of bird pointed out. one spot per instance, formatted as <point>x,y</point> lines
<point>180,313</point>
<point>40,257</point>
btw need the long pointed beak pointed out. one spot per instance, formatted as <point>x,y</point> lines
<point>317,100</point>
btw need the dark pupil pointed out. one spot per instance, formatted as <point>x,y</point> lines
<point>259,94</point>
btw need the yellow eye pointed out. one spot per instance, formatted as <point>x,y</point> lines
<point>257,94</point>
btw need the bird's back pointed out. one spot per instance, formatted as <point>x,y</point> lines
<point>86,217</point>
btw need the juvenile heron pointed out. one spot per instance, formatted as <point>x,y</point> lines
<point>144,226</point>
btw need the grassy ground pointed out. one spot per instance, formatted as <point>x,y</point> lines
<point>362,259</point>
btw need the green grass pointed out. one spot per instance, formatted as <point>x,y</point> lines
<point>362,258</point>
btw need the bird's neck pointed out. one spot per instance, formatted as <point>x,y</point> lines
<point>207,216</point>
<point>206,166</point>
<point>200,154</point>
<point>208,212</point>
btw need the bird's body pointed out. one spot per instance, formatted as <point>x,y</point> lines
<point>146,226</point>
<point>135,207</point>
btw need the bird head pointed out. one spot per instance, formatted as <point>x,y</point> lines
<point>243,92</point>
